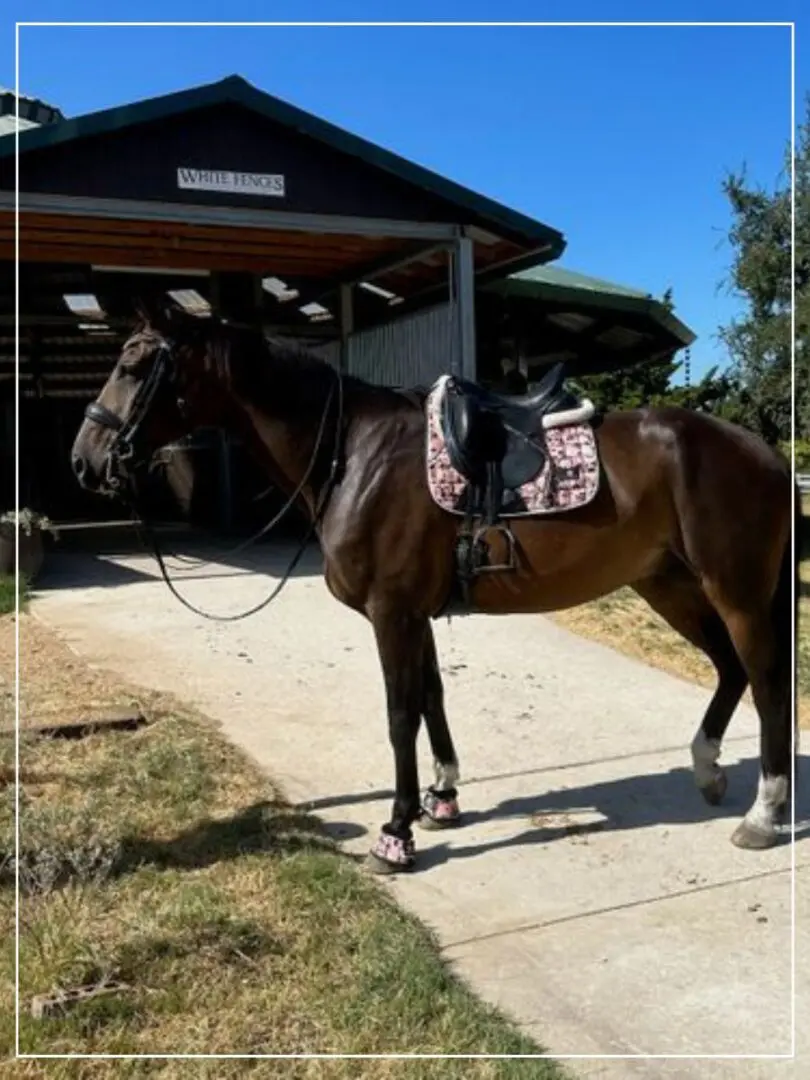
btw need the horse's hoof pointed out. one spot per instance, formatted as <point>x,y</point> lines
<point>390,855</point>
<point>715,792</point>
<point>438,812</point>
<point>375,865</point>
<point>432,824</point>
<point>747,837</point>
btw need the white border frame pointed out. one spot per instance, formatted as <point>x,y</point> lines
<point>441,24</point>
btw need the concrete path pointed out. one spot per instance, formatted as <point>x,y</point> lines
<point>591,894</point>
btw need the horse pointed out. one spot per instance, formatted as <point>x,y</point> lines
<point>693,513</point>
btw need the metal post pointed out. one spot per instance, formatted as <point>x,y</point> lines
<point>346,315</point>
<point>221,301</point>
<point>462,300</point>
<point>226,479</point>
<point>214,293</point>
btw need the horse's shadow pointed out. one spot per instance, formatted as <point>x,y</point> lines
<point>628,802</point>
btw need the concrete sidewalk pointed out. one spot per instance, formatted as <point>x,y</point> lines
<point>591,893</point>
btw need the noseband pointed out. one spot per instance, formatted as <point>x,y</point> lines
<point>121,456</point>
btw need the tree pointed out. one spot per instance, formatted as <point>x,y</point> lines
<point>631,387</point>
<point>715,393</point>
<point>758,341</point>
<point>651,384</point>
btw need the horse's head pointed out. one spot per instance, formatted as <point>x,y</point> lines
<point>152,397</point>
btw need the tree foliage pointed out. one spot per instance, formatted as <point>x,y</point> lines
<point>629,388</point>
<point>651,385</point>
<point>759,340</point>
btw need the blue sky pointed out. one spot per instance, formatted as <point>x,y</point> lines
<point>619,137</point>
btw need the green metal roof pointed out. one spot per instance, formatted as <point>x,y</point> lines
<point>558,285</point>
<point>560,278</point>
<point>236,90</point>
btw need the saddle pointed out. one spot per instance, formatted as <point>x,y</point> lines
<point>497,442</point>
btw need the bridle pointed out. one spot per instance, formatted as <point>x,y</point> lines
<point>121,456</point>
<point>122,462</point>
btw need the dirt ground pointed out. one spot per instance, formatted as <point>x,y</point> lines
<point>56,687</point>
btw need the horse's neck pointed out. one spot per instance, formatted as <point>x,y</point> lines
<point>288,448</point>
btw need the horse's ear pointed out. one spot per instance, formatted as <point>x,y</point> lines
<point>142,313</point>
<point>159,313</point>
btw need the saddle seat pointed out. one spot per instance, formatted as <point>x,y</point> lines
<point>496,440</point>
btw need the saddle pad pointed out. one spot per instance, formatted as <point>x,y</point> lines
<point>572,483</point>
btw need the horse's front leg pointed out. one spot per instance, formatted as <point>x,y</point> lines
<point>400,643</point>
<point>440,802</point>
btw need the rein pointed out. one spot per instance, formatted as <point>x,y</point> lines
<point>126,430</point>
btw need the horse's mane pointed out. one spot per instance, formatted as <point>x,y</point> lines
<point>245,358</point>
<point>267,368</point>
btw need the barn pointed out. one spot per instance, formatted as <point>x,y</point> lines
<point>237,203</point>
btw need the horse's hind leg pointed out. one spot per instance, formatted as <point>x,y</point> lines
<point>678,598</point>
<point>758,610</point>
<point>767,660</point>
<point>440,803</point>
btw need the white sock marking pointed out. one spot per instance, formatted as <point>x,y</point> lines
<point>771,795</point>
<point>705,753</point>
<point>446,775</point>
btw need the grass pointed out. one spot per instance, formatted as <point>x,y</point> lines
<point>7,594</point>
<point>625,622</point>
<point>164,860</point>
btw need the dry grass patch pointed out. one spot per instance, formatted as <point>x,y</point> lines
<point>625,622</point>
<point>56,686</point>
<point>163,860</point>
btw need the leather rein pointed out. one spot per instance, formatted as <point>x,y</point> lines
<point>122,460</point>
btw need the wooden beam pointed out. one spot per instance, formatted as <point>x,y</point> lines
<point>276,264</point>
<point>100,227</point>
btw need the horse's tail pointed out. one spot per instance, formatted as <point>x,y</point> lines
<point>785,605</point>
<point>786,597</point>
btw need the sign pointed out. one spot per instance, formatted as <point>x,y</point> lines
<point>231,183</point>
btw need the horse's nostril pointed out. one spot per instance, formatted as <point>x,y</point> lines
<point>79,466</point>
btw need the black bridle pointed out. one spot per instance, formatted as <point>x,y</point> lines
<point>122,461</point>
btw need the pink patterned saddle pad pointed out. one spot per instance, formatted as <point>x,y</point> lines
<point>572,482</point>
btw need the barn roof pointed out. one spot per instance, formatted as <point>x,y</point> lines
<point>555,285</point>
<point>235,90</point>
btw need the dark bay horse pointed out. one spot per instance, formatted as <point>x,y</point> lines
<point>693,513</point>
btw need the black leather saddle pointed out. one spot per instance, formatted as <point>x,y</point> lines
<point>497,441</point>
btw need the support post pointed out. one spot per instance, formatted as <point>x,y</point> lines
<point>237,296</point>
<point>462,302</point>
<point>226,479</point>
<point>346,324</point>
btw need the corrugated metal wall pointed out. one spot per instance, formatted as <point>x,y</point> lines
<point>413,351</point>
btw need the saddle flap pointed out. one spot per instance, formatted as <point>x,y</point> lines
<point>475,435</point>
<point>458,417</point>
<point>483,443</point>
<point>522,462</point>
